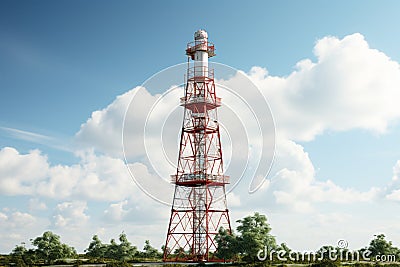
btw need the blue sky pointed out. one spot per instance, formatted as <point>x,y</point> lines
<point>55,54</point>
<point>62,60</point>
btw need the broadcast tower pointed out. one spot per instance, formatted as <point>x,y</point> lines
<point>199,206</point>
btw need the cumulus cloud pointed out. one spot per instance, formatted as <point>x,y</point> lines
<point>15,227</point>
<point>117,211</point>
<point>103,130</point>
<point>100,177</point>
<point>20,173</point>
<point>3,217</point>
<point>233,199</point>
<point>19,219</point>
<point>396,171</point>
<point>130,210</point>
<point>70,215</point>
<point>350,86</point>
<point>393,190</point>
<point>294,185</point>
<point>394,195</point>
<point>104,178</point>
<point>36,204</point>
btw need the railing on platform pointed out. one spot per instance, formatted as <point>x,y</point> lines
<point>200,177</point>
<point>197,73</point>
<point>192,47</point>
<point>200,100</point>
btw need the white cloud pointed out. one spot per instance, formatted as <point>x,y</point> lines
<point>70,215</point>
<point>100,178</point>
<point>37,138</point>
<point>16,227</point>
<point>233,199</point>
<point>60,181</point>
<point>103,130</point>
<point>3,217</point>
<point>36,204</point>
<point>20,173</point>
<point>396,171</point>
<point>393,190</point>
<point>295,187</point>
<point>138,212</point>
<point>21,219</point>
<point>350,86</point>
<point>104,178</point>
<point>26,135</point>
<point>117,211</point>
<point>394,195</point>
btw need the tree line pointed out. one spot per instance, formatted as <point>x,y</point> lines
<point>48,249</point>
<point>251,243</point>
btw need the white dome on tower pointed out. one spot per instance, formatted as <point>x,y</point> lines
<point>200,34</point>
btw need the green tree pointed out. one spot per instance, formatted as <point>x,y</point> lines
<point>179,251</point>
<point>30,257</point>
<point>96,248</point>
<point>227,243</point>
<point>112,250</point>
<point>18,255</point>
<point>49,248</point>
<point>379,246</point>
<point>254,236</point>
<point>18,251</point>
<point>149,251</point>
<point>125,250</point>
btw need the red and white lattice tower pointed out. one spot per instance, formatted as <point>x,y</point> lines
<point>199,206</point>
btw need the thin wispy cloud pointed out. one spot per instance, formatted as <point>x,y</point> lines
<point>37,138</point>
<point>26,135</point>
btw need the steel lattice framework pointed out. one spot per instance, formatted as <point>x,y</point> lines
<point>199,206</point>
